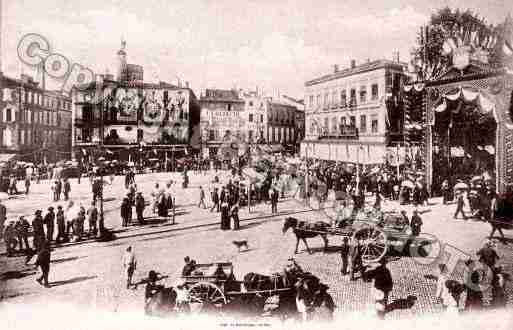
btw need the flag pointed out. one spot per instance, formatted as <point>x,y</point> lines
<point>185,149</point>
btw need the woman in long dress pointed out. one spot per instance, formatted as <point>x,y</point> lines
<point>225,216</point>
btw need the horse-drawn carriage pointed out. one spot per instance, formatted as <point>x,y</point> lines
<point>213,289</point>
<point>374,231</point>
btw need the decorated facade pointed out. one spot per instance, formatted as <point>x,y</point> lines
<point>463,108</point>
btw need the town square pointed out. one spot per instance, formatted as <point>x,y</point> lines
<point>379,190</point>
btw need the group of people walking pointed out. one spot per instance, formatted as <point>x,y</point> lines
<point>59,226</point>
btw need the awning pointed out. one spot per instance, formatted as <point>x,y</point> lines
<point>482,101</point>
<point>6,157</point>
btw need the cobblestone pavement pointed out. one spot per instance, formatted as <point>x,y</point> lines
<point>89,273</point>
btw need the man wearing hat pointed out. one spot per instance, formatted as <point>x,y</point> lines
<point>43,261</point>
<point>39,231</point>
<point>92,219</point>
<point>129,265</point>
<point>49,221</point>
<point>22,228</point>
<point>10,238</point>
<point>61,225</point>
<point>139,207</point>
<point>416,223</point>
<point>383,284</point>
<point>126,212</point>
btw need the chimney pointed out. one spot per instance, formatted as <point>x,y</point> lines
<point>335,68</point>
<point>353,64</point>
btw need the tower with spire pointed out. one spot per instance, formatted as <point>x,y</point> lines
<point>121,72</point>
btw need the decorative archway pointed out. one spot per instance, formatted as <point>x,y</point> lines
<point>490,93</point>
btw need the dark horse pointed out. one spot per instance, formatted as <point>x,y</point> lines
<point>304,230</point>
<point>276,292</point>
<point>313,300</point>
<point>502,213</point>
<point>162,303</point>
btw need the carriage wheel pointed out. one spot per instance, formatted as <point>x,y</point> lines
<point>374,243</point>
<point>206,297</point>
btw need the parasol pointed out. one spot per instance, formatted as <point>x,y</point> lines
<point>461,185</point>
<point>408,184</point>
<point>477,178</point>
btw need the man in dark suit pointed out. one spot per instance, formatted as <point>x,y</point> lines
<point>215,201</point>
<point>43,261</point>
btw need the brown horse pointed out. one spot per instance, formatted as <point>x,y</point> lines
<point>304,230</point>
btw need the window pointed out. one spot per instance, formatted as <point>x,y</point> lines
<point>261,118</point>
<point>8,115</point>
<point>343,121</point>
<point>229,107</point>
<point>319,100</point>
<point>211,134</point>
<point>352,101</point>
<point>363,94</point>
<point>326,124</point>
<point>334,124</point>
<point>250,135</point>
<point>334,97</point>
<point>250,117</point>
<point>352,121</point>
<point>250,103</point>
<point>374,125</point>
<point>374,91</point>
<point>311,101</point>
<point>363,123</point>
<point>343,98</point>
<point>326,99</point>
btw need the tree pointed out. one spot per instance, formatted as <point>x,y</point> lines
<point>448,30</point>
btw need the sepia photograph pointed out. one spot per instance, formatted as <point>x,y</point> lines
<point>243,164</point>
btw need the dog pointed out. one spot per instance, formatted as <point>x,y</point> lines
<point>240,244</point>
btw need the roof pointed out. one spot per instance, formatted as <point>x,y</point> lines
<point>369,66</point>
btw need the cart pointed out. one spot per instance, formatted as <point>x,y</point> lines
<point>212,286</point>
<point>374,231</point>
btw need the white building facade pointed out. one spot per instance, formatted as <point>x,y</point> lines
<point>346,113</point>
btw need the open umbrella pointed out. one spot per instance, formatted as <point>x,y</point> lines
<point>408,184</point>
<point>461,185</point>
<point>477,178</point>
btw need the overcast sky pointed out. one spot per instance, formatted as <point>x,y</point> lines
<point>225,43</point>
